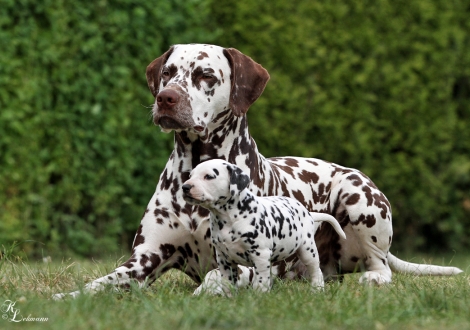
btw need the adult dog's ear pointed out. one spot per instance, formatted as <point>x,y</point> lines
<point>238,178</point>
<point>248,81</point>
<point>154,70</point>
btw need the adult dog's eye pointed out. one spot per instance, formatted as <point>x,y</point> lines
<point>209,177</point>
<point>166,73</point>
<point>207,76</point>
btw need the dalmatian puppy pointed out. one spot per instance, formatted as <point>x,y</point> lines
<point>254,231</point>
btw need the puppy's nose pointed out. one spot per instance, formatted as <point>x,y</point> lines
<point>186,188</point>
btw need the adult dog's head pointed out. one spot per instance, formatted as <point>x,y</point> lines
<point>194,83</point>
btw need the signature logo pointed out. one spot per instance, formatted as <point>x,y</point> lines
<point>12,314</point>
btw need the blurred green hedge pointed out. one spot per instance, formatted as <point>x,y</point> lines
<point>79,154</point>
<point>383,86</point>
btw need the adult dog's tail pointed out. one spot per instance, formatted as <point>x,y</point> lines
<point>401,266</point>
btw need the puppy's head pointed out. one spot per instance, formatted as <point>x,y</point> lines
<point>213,183</point>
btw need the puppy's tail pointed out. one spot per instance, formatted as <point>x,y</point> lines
<point>320,217</point>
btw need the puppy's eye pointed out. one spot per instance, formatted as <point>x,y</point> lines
<point>165,73</point>
<point>209,177</point>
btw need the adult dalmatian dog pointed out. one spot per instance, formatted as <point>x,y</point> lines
<point>202,93</point>
<point>253,231</point>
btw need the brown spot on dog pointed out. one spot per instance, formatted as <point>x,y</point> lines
<point>183,252</point>
<point>203,212</point>
<point>176,207</point>
<point>312,162</point>
<point>153,261</point>
<point>130,263</point>
<point>139,239</point>
<point>188,249</point>
<point>368,193</point>
<point>202,55</point>
<point>378,200</point>
<point>131,274</point>
<point>166,181</point>
<point>208,234</point>
<point>353,199</point>
<point>286,169</point>
<point>167,250</point>
<point>368,220</point>
<point>381,202</point>
<point>161,212</point>
<point>285,191</point>
<point>193,224</point>
<point>187,209</point>
<point>355,180</point>
<point>292,162</point>
<point>298,195</point>
<point>308,177</point>
<point>195,77</point>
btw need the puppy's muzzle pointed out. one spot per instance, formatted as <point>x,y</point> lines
<point>187,194</point>
<point>187,188</point>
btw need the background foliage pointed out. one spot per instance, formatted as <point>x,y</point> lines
<point>80,157</point>
<point>383,86</point>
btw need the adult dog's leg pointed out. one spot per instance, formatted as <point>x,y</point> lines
<point>156,249</point>
<point>367,214</point>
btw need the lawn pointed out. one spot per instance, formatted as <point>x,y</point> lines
<point>408,303</point>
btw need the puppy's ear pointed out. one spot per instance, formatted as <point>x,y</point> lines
<point>248,81</point>
<point>238,178</point>
<point>154,70</point>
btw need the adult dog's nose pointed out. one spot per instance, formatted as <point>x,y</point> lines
<point>187,188</point>
<point>167,98</point>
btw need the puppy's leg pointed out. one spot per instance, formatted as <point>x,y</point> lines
<point>308,254</point>
<point>262,266</point>
<point>209,285</point>
<point>310,258</point>
<point>228,274</point>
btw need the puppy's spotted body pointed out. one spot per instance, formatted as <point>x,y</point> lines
<point>253,231</point>
<point>202,93</point>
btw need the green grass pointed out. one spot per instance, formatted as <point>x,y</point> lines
<point>408,303</point>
